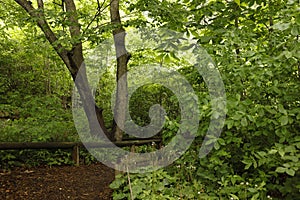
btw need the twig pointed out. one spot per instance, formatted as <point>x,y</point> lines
<point>129,183</point>
<point>100,9</point>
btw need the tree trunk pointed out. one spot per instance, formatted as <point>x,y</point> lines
<point>122,59</point>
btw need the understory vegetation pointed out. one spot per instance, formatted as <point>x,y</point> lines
<point>255,47</point>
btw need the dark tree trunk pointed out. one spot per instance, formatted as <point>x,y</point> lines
<point>122,59</point>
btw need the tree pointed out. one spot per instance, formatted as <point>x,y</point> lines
<point>73,58</point>
<point>122,59</point>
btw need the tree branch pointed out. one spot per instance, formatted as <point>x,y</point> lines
<point>72,15</point>
<point>39,16</point>
<point>40,19</point>
<point>76,53</point>
<point>100,9</point>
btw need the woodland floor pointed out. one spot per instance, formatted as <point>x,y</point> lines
<point>57,183</point>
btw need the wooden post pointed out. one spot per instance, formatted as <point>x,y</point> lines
<point>75,154</point>
<point>132,149</point>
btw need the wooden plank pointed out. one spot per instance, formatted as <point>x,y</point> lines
<point>36,145</point>
<point>121,143</point>
<point>70,145</point>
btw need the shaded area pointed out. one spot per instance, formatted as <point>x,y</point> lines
<point>60,182</point>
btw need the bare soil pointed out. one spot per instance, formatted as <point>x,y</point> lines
<point>57,183</point>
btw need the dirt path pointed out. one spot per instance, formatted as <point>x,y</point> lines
<point>57,183</point>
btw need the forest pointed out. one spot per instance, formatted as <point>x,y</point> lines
<point>216,82</point>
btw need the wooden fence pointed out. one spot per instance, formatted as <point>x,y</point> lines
<point>73,145</point>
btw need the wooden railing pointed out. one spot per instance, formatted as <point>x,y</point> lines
<point>74,145</point>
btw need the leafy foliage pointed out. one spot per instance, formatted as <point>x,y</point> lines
<point>255,45</point>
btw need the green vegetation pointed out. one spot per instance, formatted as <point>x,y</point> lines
<point>255,46</point>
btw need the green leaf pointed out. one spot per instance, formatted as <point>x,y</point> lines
<point>252,190</point>
<point>272,151</point>
<point>255,197</point>
<point>290,148</point>
<point>248,165</point>
<point>292,158</point>
<point>234,196</point>
<point>298,20</point>
<point>281,152</point>
<point>288,54</point>
<point>217,146</point>
<point>229,124</point>
<point>290,172</point>
<point>281,109</point>
<point>244,122</point>
<point>238,2</point>
<point>255,164</point>
<point>237,117</point>
<point>167,58</point>
<point>204,39</point>
<point>281,26</point>
<point>116,183</point>
<point>119,196</point>
<point>184,48</point>
<point>172,54</point>
<point>221,141</point>
<point>295,31</point>
<point>270,110</point>
<point>284,120</point>
<point>280,169</point>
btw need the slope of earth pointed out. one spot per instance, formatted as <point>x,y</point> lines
<point>57,183</point>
